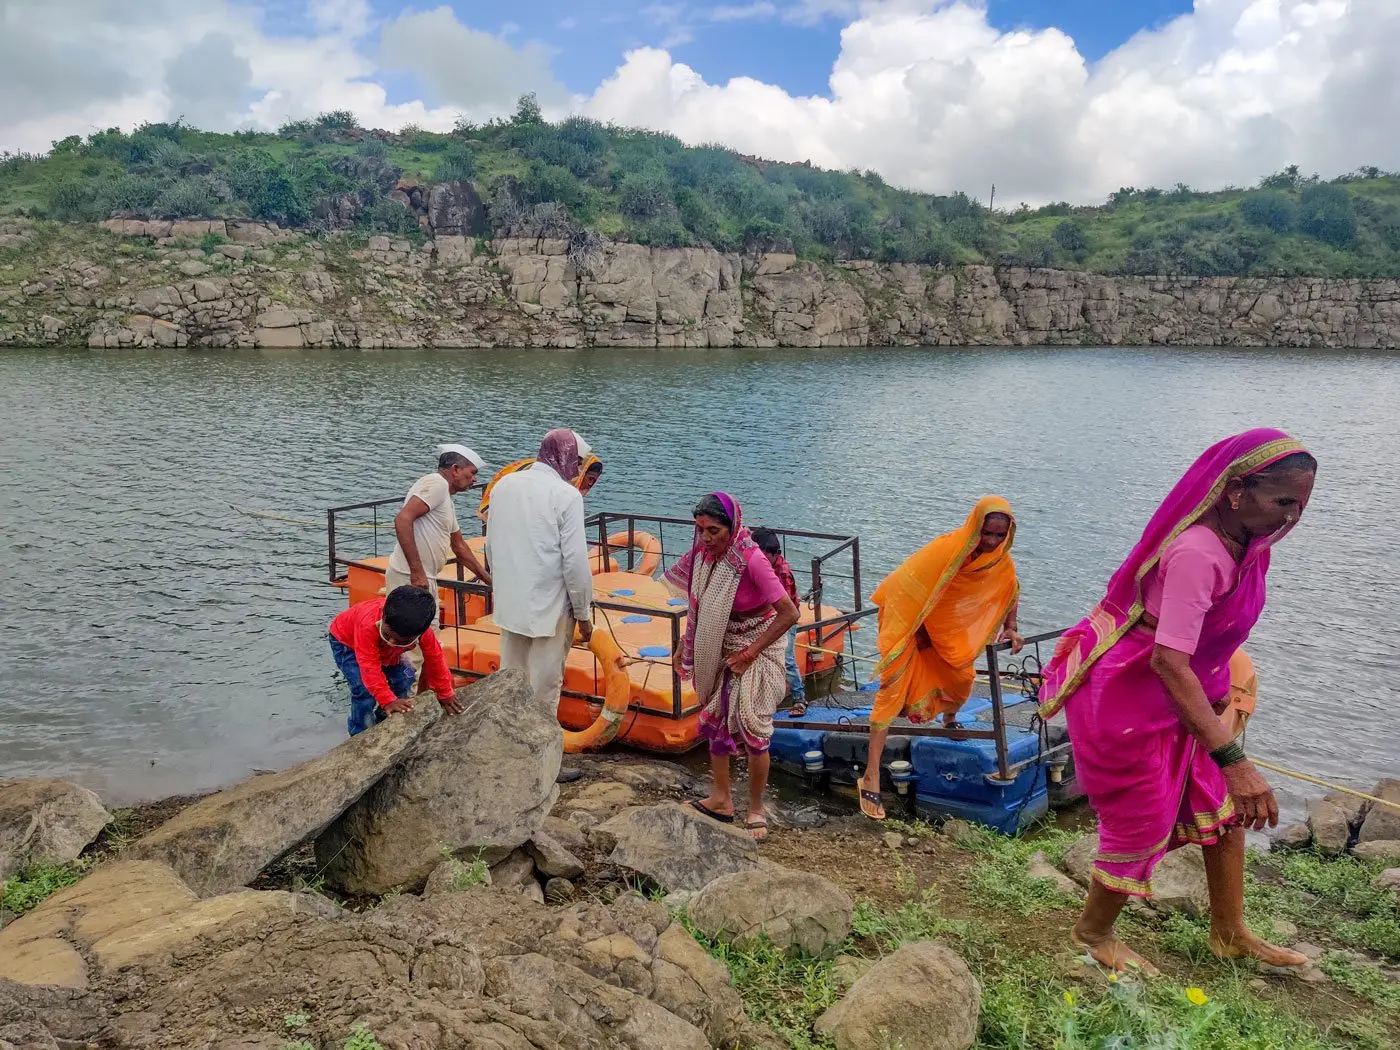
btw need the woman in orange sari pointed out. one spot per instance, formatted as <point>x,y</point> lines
<point>938,612</point>
<point>590,469</point>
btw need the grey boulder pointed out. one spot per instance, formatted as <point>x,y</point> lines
<point>477,784</point>
<point>223,841</point>
<point>792,909</point>
<point>674,846</point>
<point>46,819</point>
<point>923,997</point>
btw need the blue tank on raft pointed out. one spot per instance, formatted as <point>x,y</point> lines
<point>948,778</point>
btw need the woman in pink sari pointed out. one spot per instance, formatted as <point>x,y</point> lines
<point>735,635</point>
<point>1143,680</point>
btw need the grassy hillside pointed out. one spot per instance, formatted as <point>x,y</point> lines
<point>575,176</point>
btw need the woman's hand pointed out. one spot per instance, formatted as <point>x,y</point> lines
<point>741,661</point>
<point>1009,634</point>
<point>1254,799</point>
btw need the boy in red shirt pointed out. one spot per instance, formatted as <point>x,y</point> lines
<point>369,642</point>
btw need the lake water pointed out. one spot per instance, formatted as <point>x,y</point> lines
<point>157,641</point>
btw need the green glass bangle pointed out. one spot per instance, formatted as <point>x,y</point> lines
<point>1228,755</point>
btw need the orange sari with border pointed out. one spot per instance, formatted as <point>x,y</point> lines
<point>962,606</point>
<point>522,464</point>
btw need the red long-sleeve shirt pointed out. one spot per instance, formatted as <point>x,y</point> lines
<point>358,627</point>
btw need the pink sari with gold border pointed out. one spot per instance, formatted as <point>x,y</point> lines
<point>1152,786</point>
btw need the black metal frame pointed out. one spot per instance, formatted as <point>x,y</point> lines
<point>997,734</point>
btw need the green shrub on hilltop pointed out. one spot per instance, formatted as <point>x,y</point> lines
<point>649,187</point>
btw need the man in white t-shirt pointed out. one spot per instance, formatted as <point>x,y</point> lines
<point>426,528</point>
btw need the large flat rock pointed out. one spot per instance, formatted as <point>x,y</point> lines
<point>480,783</point>
<point>225,840</point>
<point>126,913</point>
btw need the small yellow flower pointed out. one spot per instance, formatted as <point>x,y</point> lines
<point>1197,997</point>
<point>1069,998</point>
<point>1113,978</point>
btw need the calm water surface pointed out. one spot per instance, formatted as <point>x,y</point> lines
<point>157,641</point>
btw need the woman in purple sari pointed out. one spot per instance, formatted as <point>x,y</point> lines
<point>1142,682</point>
<point>735,635</point>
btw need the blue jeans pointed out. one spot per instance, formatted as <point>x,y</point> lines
<point>794,680</point>
<point>364,709</point>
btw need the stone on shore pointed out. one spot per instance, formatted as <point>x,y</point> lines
<point>1039,867</point>
<point>46,819</point>
<point>224,841</point>
<point>923,997</point>
<point>1378,849</point>
<point>1291,837</point>
<point>1383,822</point>
<point>1178,882</point>
<point>1331,829</point>
<point>552,859</point>
<point>674,846</point>
<point>1388,880</point>
<point>481,782</point>
<point>792,909</point>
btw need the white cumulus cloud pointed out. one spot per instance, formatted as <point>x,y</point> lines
<point>927,92</point>
<point>930,94</point>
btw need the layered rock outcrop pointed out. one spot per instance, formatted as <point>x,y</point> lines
<point>210,283</point>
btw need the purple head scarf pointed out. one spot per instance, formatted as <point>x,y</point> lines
<point>559,451</point>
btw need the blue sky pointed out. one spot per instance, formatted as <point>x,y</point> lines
<point>589,39</point>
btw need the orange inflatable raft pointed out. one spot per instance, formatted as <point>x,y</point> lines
<point>624,685</point>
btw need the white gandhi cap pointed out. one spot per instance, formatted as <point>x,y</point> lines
<point>584,448</point>
<point>462,450</point>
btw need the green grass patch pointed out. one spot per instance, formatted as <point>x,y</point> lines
<point>36,883</point>
<point>1332,895</point>
<point>1030,1001</point>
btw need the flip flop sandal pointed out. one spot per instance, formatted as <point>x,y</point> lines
<point>798,709</point>
<point>872,805</point>
<point>704,810</point>
<point>757,824</point>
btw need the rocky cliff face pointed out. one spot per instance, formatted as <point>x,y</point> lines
<point>215,284</point>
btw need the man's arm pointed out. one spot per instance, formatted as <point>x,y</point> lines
<point>578,576</point>
<point>469,559</point>
<point>412,510</point>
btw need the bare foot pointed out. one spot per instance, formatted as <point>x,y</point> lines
<point>1113,954</point>
<point>1245,945</point>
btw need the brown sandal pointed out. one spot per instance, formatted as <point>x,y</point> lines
<point>758,824</point>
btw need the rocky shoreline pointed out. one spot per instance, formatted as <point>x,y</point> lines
<point>376,896</point>
<point>226,284</point>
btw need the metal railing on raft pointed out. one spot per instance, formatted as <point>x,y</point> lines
<point>606,525</point>
<point>1022,673</point>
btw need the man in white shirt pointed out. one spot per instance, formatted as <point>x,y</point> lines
<point>536,548</point>
<point>426,527</point>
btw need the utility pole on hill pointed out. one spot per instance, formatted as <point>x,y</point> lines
<point>992,202</point>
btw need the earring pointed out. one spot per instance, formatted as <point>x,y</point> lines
<point>1235,504</point>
